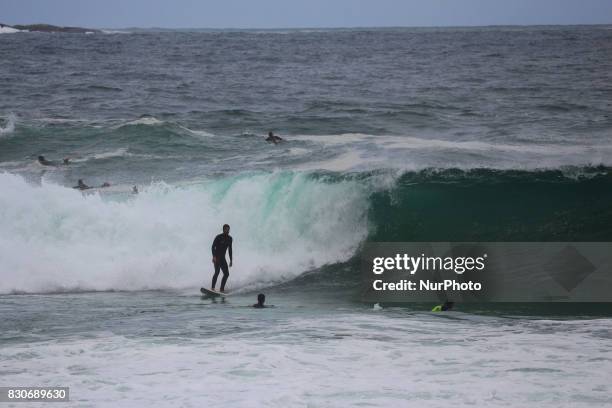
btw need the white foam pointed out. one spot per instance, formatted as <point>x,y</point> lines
<point>408,143</point>
<point>338,360</point>
<point>8,30</point>
<point>9,127</point>
<point>201,133</point>
<point>121,152</point>
<point>145,120</point>
<point>298,151</point>
<point>348,161</point>
<point>115,32</point>
<point>56,238</point>
<point>361,152</point>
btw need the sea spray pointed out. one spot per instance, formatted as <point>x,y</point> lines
<point>55,238</point>
<point>9,126</point>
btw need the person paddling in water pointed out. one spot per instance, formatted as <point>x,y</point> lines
<point>45,162</point>
<point>273,138</point>
<point>220,245</point>
<point>81,185</point>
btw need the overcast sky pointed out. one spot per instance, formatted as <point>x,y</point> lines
<point>302,13</point>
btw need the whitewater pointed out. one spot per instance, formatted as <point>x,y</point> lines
<point>57,239</point>
<point>167,350</point>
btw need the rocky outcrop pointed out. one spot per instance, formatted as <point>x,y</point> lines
<point>47,28</point>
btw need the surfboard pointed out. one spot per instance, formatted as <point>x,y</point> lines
<point>211,293</point>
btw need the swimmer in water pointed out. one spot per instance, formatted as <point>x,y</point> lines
<point>81,186</point>
<point>261,299</point>
<point>273,138</point>
<point>446,306</point>
<point>45,162</point>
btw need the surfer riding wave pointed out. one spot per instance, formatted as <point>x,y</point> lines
<point>220,245</point>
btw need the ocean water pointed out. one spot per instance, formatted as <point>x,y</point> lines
<point>438,134</point>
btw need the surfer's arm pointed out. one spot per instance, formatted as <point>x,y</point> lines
<point>230,250</point>
<point>214,246</point>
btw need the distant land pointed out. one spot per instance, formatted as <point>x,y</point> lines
<point>48,28</point>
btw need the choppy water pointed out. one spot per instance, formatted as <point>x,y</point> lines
<point>166,349</point>
<point>396,134</point>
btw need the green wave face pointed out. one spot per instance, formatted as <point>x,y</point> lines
<point>487,205</point>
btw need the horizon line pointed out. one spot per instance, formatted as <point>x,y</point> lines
<point>322,27</point>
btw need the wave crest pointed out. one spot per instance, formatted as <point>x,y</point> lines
<point>57,239</point>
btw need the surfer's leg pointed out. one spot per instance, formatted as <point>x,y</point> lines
<point>214,281</point>
<point>225,270</point>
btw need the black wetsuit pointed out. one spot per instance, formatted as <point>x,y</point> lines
<point>221,244</point>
